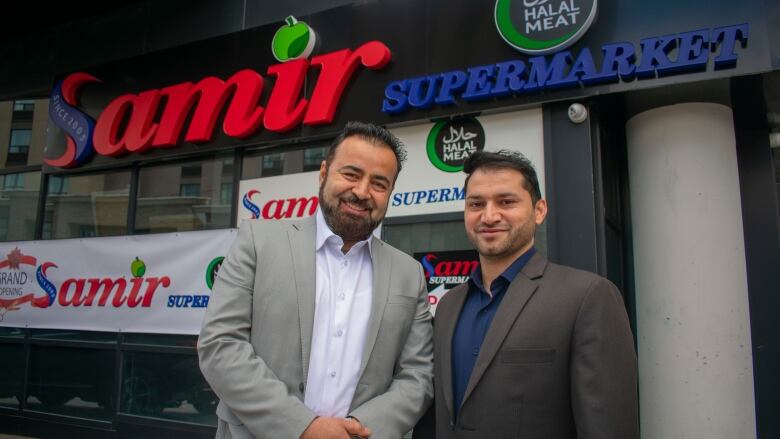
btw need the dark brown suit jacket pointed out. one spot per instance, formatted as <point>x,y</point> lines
<point>558,362</point>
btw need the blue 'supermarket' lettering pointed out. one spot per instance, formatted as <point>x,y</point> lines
<point>428,196</point>
<point>620,62</point>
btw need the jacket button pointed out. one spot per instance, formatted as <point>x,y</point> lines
<point>300,387</point>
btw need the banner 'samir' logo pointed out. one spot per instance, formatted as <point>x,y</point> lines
<point>249,205</point>
<point>543,26</point>
<point>282,208</point>
<point>16,274</point>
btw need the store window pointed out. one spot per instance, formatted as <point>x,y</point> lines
<point>226,193</point>
<point>313,158</point>
<point>426,236</point>
<point>71,381</point>
<point>776,156</point>
<point>19,195</point>
<point>12,365</point>
<point>264,163</point>
<point>443,235</point>
<point>168,386</point>
<point>273,164</point>
<point>87,205</point>
<point>184,196</point>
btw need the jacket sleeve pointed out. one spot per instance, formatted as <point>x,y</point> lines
<point>392,414</point>
<point>241,379</point>
<point>604,367</point>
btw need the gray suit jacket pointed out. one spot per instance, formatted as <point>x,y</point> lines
<point>256,337</point>
<point>558,362</point>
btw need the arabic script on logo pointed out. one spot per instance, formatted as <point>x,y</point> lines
<point>542,26</point>
<point>450,142</point>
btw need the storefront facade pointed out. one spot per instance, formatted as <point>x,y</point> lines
<point>654,129</point>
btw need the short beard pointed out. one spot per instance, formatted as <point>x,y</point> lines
<point>517,239</point>
<point>349,227</point>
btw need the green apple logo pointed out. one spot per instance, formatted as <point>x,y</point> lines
<point>137,267</point>
<point>294,40</point>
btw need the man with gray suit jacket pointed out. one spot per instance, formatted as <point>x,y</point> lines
<point>316,329</point>
<point>527,348</point>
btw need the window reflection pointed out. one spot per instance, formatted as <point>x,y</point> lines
<point>18,205</point>
<point>24,105</point>
<point>71,381</point>
<point>87,205</point>
<point>12,375</point>
<point>18,147</point>
<point>182,197</point>
<point>166,386</point>
<point>313,158</point>
<point>262,163</point>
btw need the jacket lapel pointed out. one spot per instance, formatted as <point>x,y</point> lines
<point>520,291</point>
<point>382,267</point>
<point>302,241</point>
<point>447,323</point>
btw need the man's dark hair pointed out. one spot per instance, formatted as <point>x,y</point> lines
<point>373,134</point>
<point>505,159</point>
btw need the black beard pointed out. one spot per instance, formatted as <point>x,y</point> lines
<point>349,227</point>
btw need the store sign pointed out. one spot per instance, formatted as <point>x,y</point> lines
<point>445,270</point>
<point>155,284</point>
<point>291,196</point>
<point>665,55</point>
<point>536,27</point>
<point>450,142</point>
<point>158,118</point>
<point>431,182</point>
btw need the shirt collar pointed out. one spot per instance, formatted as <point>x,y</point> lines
<point>325,234</point>
<point>509,274</point>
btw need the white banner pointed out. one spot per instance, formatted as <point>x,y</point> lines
<point>422,186</point>
<point>144,283</point>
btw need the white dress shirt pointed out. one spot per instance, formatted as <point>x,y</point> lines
<point>341,315</point>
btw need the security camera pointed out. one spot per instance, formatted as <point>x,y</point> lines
<point>577,113</point>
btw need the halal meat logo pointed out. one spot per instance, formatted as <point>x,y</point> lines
<point>542,26</point>
<point>212,270</point>
<point>450,142</point>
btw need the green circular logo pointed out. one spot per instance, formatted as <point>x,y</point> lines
<point>450,142</point>
<point>541,26</point>
<point>212,270</point>
<point>294,40</point>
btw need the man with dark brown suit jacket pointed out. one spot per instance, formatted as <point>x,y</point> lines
<point>527,348</point>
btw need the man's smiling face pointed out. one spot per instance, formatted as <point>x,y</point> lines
<point>355,187</point>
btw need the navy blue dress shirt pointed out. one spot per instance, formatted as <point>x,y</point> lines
<point>474,321</point>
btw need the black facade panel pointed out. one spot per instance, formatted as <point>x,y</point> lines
<point>110,37</point>
<point>571,222</point>
<point>762,247</point>
<point>176,22</point>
